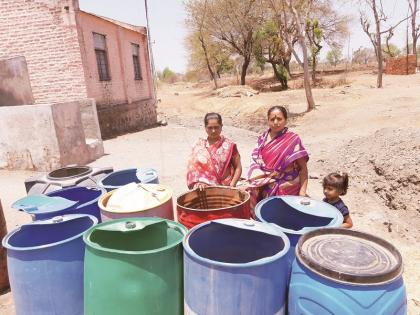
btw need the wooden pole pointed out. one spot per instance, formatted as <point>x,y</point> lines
<point>4,279</point>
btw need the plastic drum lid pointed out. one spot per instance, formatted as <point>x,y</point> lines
<point>349,257</point>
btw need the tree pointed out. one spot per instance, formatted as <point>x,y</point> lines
<point>334,56</point>
<point>168,75</point>
<point>314,34</point>
<point>376,36</point>
<point>363,55</point>
<point>415,28</point>
<point>270,48</point>
<point>390,50</point>
<point>234,22</point>
<point>299,13</point>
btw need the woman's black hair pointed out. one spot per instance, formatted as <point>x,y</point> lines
<point>212,116</point>
<point>337,181</point>
<point>280,108</point>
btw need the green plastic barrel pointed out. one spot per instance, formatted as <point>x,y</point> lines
<point>134,266</point>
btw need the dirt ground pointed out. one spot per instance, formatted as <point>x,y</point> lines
<point>373,134</point>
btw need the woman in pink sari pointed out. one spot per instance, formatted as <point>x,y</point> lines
<point>215,160</point>
<point>278,165</point>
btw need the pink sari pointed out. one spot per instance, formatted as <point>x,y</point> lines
<point>211,165</point>
<point>267,175</point>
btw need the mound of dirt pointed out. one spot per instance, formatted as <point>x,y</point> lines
<point>235,91</point>
<point>388,164</point>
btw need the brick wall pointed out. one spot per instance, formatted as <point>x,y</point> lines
<point>401,65</point>
<point>45,33</point>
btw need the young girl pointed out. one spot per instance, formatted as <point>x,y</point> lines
<point>335,185</point>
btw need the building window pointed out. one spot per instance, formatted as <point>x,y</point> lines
<point>99,41</point>
<point>136,61</point>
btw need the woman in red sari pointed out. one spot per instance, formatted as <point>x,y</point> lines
<point>278,165</point>
<point>215,160</point>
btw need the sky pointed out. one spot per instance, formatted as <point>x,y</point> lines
<point>168,30</point>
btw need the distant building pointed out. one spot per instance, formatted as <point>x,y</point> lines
<point>73,55</point>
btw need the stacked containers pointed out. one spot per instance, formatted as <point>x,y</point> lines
<point>197,206</point>
<point>340,271</point>
<point>235,266</point>
<point>117,179</point>
<point>65,177</point>
<point>140,269</point>
<point>72,200</point>
<point>160,193</point>
<point>45,262</point>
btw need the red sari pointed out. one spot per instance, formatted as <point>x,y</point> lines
<point>211,164</point>
<point>270,172</point>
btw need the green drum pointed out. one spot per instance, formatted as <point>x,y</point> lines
<point>134,266</point>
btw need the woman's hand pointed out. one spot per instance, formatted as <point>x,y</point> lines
<point>200,186</point>
<point>303,194</point>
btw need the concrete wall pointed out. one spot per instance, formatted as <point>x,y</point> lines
<point>45,33</point>
<point>123,103</point>
<point>44,137</point>
<point>15,88</point>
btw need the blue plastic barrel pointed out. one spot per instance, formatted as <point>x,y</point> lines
<point>45,265</point>
<point>72,200</point>
<point>86,197</point>
<point>339,271</point>
<point>297,215</point>
<point>235,266</point>
<point>117,179</point>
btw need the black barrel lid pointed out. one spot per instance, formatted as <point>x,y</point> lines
<point>69,172</point>
<point>349,257</point>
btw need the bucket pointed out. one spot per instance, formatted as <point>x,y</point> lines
<point>340,271</point>
<point>75,175</point>
<point>216,202</point>
<point>72,200</point>
<point>235,266</point>
<point>162,207</point>
<point>134,266</point>
<point>117,179</point>
<point>45,261</point>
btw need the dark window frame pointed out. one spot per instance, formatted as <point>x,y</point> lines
<point>136,62</point>
<point>102,60</point>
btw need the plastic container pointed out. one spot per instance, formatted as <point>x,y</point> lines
<point>117,179</point>
<point>72,200</point>
<point>66,177</point>
<point>140,270</point>
<point>340,271</point>
<point>235,266</point>
<point>86,198</point>
<point>163,207</point>
<point>297,215</point>
<point>45,261</point>
<point>216,202</point>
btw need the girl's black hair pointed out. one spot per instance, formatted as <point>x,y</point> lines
<point>338,181</point>
<point>212,116</point>
<point>280,108</point>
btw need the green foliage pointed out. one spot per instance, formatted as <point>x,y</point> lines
<point>391,51</point>
<point>168,75</point>
<point>334,56</point>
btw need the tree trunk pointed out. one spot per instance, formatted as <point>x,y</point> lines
<point>245,65</point>
<point>413,30</point>
<point>4,280</point>
<point>306,77</point>
<point>313,69</point>
<point>279,76</point>
<point>211,72</point>
<point>378,45</point>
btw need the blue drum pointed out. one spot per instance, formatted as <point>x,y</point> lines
<point>339,271</point>
<point>120,178</point>
<point>235,266</point>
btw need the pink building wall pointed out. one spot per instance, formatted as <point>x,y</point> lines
<point>122,88</point>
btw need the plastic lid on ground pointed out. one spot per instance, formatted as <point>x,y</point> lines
<point>349,257</point>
